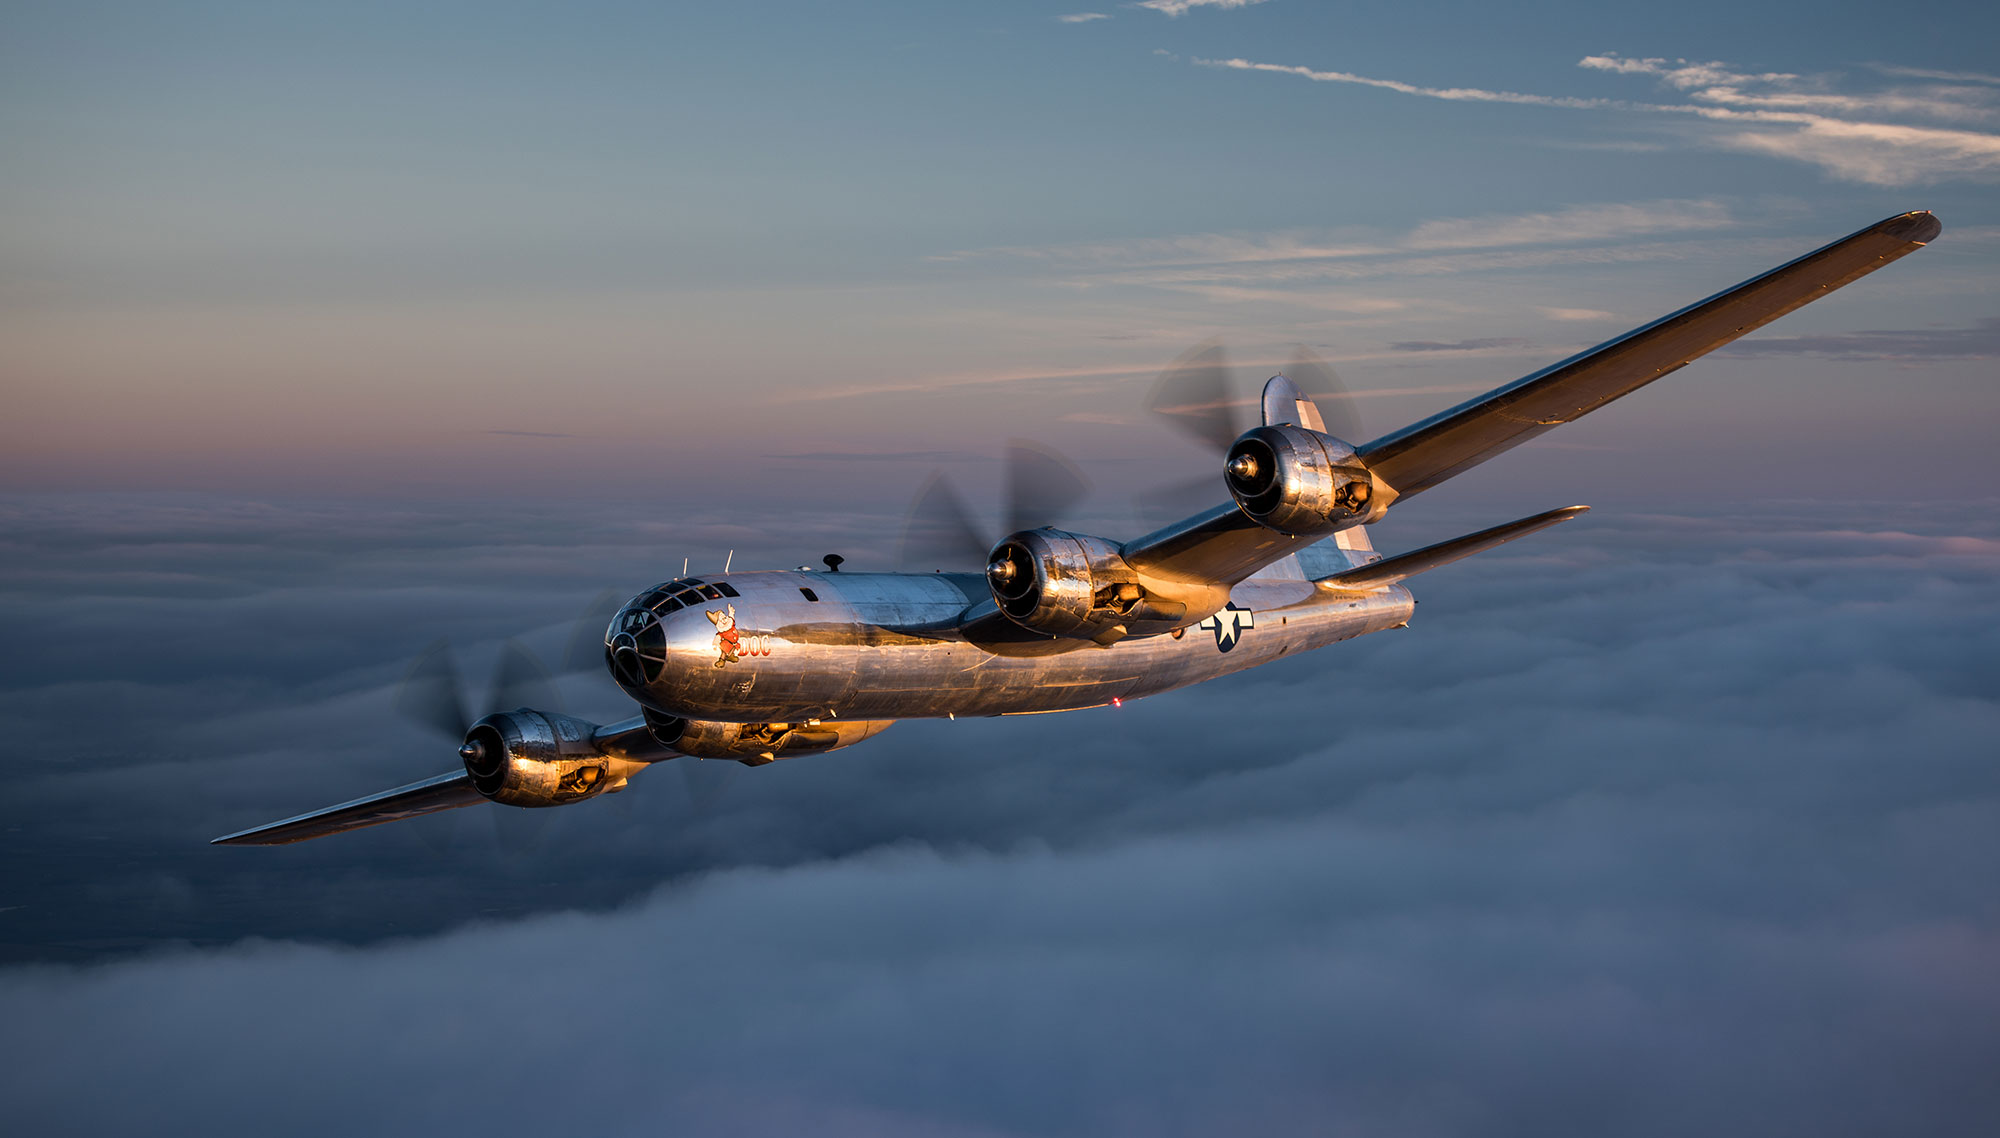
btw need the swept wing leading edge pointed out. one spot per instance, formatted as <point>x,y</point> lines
<point>445,792</point>
<point>1224,546</point>
<point>1424,454</point>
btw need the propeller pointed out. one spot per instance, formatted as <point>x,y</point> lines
<point>942,531</point>
<point>584,651</point>
<point>1315,379</point>
<point>431,695</point>
<point>1198,396</point>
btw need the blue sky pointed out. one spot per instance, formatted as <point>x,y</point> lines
<point>332,249</point>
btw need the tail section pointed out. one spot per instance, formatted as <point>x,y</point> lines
<point>1390,570</point>
<point>1285,403</point>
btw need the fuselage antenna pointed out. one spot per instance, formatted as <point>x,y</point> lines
<point>727,561</point>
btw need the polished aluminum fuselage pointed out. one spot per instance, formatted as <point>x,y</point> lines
<point>762,666</point>
<point>890,646</point>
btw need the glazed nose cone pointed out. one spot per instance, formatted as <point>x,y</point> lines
<point>635,647</point>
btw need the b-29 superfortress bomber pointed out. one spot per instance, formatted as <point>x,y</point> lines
<point>758,666</point>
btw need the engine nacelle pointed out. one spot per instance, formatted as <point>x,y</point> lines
<point>1074,585</point>
<point>540,758</point>
<point>757,743</point>
<point>1298,481</point>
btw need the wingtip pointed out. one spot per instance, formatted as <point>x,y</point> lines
<point>1919,227</point>
<point>251,837</point>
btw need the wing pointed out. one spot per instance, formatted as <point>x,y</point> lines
<point>445,792</point>
<point>1223,546</point>
<point>1425,454</point>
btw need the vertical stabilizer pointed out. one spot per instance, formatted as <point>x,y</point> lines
<point>1285,403</point>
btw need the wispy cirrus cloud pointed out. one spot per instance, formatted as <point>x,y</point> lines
<point>1933,75</point>
<point>1081,17</point>
<point>1232,282</point>
<point>1925,73</point>
<point>1320,276</point>
<point>1311,275</point>
<point>1851,135</point>
<point>1198,248</point>
<point>1454,94</point>
<point>1483,344</point>
<point>1182,7</point>
<point>1879,154</point>
<point>1577,223</point>
<point>1720,85</point>
<point>1275,256</point>
<point>1979,342</point>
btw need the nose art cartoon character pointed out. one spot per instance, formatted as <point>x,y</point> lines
<point>728,642</point>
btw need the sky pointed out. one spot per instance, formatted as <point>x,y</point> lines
<point>330,331</point>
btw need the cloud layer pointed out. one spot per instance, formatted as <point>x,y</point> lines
<point>1670,823</point>
<point>1852,135</point>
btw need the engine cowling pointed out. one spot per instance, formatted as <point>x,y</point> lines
<point>1072,585</point>
<point>1301,482</point>
<point>540,758</point>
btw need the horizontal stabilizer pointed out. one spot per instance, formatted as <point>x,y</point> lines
<point>1389,570</point>
<point>445,792</point>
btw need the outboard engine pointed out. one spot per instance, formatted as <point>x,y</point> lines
<point>1301,482</point>
<point>540,758</point>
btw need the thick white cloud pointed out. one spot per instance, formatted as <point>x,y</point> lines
<point>1651,825</point>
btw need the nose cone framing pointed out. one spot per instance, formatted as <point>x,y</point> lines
<point>635,647</point>
<point>639,644</point>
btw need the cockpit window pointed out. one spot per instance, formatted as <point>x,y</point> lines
<point>688,592</point>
